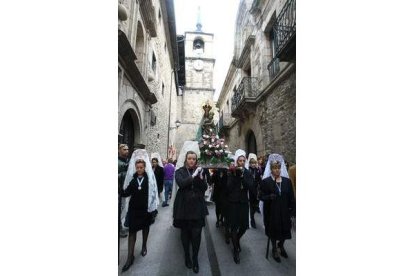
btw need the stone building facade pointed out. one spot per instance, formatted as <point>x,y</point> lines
<point>199,67</point>
<point>147,74</point>
<point>257,103</point>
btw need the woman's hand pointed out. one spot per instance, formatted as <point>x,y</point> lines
<point>197,171</point>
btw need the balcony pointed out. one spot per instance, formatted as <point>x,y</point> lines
<point>224,123</point>
<point>285,30</point>
<point>243,101</point>
<point>273,67</point>
<point>148,15</point>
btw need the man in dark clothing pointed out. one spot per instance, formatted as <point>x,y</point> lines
<point>159,175</point>
<point>123,152</point>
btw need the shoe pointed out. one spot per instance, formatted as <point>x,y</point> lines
<point>275,256</point>
<point>128,264</point>
<point>165,205</point>
<point>283,251</point>
<point>195,266</point>
<point>227,238</point>
<point>188,262</point>
<point>238,248</point>
<point>143,252</point>
<point>236,256</point>
<point>217,224</point>
<point>253,223</point>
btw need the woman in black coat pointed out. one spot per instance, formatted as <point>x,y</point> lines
<point>279,205</point>
<point>190,207</point>
<point>239,181</point>
<point>139,217</point>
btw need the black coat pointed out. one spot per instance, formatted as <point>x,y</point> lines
<point>139,217</point>
<point>189,203</point>
<point>219,179</point>
<point>277,211</point>
<point>159,176</point>
<point>237,213</point>
<point>238,187</point>
<point>255,186</point>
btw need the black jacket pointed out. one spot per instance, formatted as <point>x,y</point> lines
<point>159,176</point>
<point>189,203</point>
<point>237,186</point>
<point>277,207</point>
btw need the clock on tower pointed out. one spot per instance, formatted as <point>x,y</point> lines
<point>198,64</point>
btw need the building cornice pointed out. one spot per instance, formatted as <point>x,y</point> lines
<point>205,59</point>
<point>127,57</point>
<point>199,88</point>
<point>229,77</point>
<point>200,33</point>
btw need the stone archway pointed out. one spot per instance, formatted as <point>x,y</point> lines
<point>129,129</point>
<point>251,146</point>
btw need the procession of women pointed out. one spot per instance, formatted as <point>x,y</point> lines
<point>249,188</point>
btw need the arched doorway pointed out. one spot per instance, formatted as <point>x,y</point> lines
<point>128,129</point>
<point>251,143</point>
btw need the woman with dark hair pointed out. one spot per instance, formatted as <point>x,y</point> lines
<point>190,208</point>
<point>142,204</point>
<point>279,205</point>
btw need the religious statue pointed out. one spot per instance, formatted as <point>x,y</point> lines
<point>208,124</point>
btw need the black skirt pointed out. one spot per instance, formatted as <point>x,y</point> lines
<point>237,215</point>
<point>139,220</point>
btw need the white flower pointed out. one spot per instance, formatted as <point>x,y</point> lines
<point>222,143</point>
<point>221,150</point>
<point>206,151</point>
<point>210,146</point>
<point>217,146</point>
<point>218,137</point>
<point>205,142</point>
<point>226,146</point>
<point>212,140</point>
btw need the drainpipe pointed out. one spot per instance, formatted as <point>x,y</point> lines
<point>169,112</point>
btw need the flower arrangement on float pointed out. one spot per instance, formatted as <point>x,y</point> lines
<point>213,152</point>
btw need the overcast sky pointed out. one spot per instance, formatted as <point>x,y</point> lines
<point>217,17</point>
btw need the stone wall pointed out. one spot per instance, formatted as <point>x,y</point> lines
<point>273,117</point>
<point>160,81</point>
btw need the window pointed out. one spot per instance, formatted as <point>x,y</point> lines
<point>162,89</point>
<point>154,63</point>
<point>198,46</point>
<point>159,16</point>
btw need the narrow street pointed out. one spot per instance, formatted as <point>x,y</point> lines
<point>166,257</point>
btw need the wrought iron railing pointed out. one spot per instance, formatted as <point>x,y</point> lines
<point>248,89</point>
<point>224,121</point>
<point>273,67</point>
<point>285,27</point>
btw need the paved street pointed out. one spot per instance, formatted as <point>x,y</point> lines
<point>166,257</point>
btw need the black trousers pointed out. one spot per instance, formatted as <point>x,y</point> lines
<point>191,236</point>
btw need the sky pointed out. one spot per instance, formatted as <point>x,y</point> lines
<point>217,17</point>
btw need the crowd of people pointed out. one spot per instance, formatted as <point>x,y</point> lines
<point>250,185</point>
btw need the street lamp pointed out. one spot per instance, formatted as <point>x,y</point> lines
<point>177,124</point>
